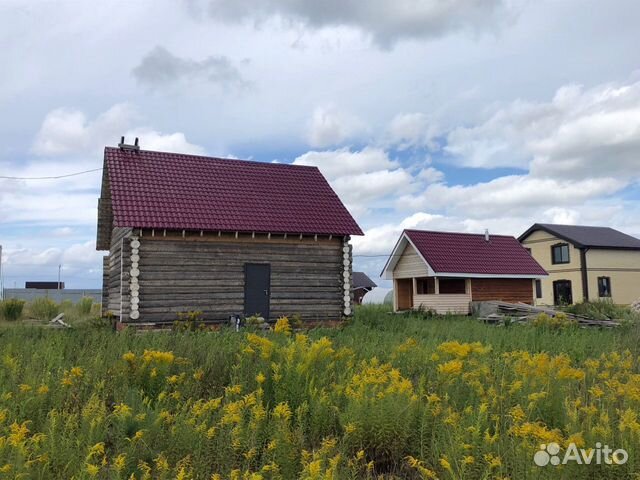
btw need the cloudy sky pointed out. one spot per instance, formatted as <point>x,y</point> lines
<point>451,115</point>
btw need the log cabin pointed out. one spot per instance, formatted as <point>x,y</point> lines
<point>222,237</point>
<point>444,272</point>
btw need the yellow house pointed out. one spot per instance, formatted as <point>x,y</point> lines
<point>584,263</point>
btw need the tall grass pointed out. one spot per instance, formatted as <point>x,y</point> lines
<point>44,308</point>
<point>11,309</point>
<point>399,396</point>
<point>604,309</point>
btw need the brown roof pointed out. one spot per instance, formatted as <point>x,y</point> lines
<point>175,191</point>
<point>586,236</point>
<point>472,254</point>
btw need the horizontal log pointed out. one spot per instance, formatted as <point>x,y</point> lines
<point>326,278</point>
<point>239,247</point>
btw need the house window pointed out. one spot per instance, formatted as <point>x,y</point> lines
<point>538,288</point>
<point>560,253</point>
<point>604,286</point>
<point>425,286</point>
<point>452,285</point>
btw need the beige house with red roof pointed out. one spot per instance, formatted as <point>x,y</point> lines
<point>445,272</point>
<point>222,237</point>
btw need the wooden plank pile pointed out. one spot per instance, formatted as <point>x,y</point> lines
<point>495,312</point>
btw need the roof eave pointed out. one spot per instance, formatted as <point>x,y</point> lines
<point>536,226</point>
<point>491,275</point>
<point>392,261</point>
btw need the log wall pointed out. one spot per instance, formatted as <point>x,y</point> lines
<point>206,273</point>
<point>512,290</point>
<point>118,265</point>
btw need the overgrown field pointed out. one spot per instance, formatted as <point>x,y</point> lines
<point>387,396</point>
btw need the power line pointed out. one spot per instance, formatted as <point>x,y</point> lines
<point>52,177</point>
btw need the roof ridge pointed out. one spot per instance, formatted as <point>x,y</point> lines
<point>578,226</point>
<point>458,233</point>
<point>207,157</point>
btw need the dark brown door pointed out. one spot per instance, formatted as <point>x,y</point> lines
<point>562,294</point>
<point>405,293</point>
<point>257,289</point>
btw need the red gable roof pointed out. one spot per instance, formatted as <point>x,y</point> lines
<point>447,252</point>
<point>177,191</point>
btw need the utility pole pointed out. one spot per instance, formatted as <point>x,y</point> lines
<point>59,270</point>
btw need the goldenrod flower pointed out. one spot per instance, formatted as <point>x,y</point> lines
<point>92,469</point>
<point>282,326</point>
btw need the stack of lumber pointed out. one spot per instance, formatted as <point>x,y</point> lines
<point>498,312</point>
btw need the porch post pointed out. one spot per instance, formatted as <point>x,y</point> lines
<point>436,286</point>
<point>395,295</point>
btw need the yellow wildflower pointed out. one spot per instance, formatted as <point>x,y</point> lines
<point>120,462</point>
<point>282,410</point>
<point>122,410</point>
<point>162,464</point>
<point>282,326</point>
<point>450,368</point>
<point>129,357</point>
<point>92,469</point>
<point>445,464</point>
<point>154,356</point>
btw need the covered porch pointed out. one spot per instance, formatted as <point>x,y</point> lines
<point>440,294</point>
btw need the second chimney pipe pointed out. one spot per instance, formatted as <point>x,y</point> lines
<point>486,235</point>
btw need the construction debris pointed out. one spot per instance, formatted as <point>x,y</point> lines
<point>635,306</point>
<point>502,312</point>
<point>58,322</point>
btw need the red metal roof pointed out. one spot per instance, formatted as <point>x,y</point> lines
<point>449,252</point>
<point>177,191</point>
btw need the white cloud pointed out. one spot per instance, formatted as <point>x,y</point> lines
<point>381,239</point>
<point>386,21</point>
<point>578,134</point>
<point>171,142</point>
<point>363,191</point>
<point>68,131</point>
<point>362,179</point>
<point>562,216</point>
<point>341,162</point>
<point>511,195</point>
<point>431,175</point>
<point>330,126</point>
<point>410,130</point>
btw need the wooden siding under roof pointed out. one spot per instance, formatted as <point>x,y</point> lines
<point>410,264</point>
